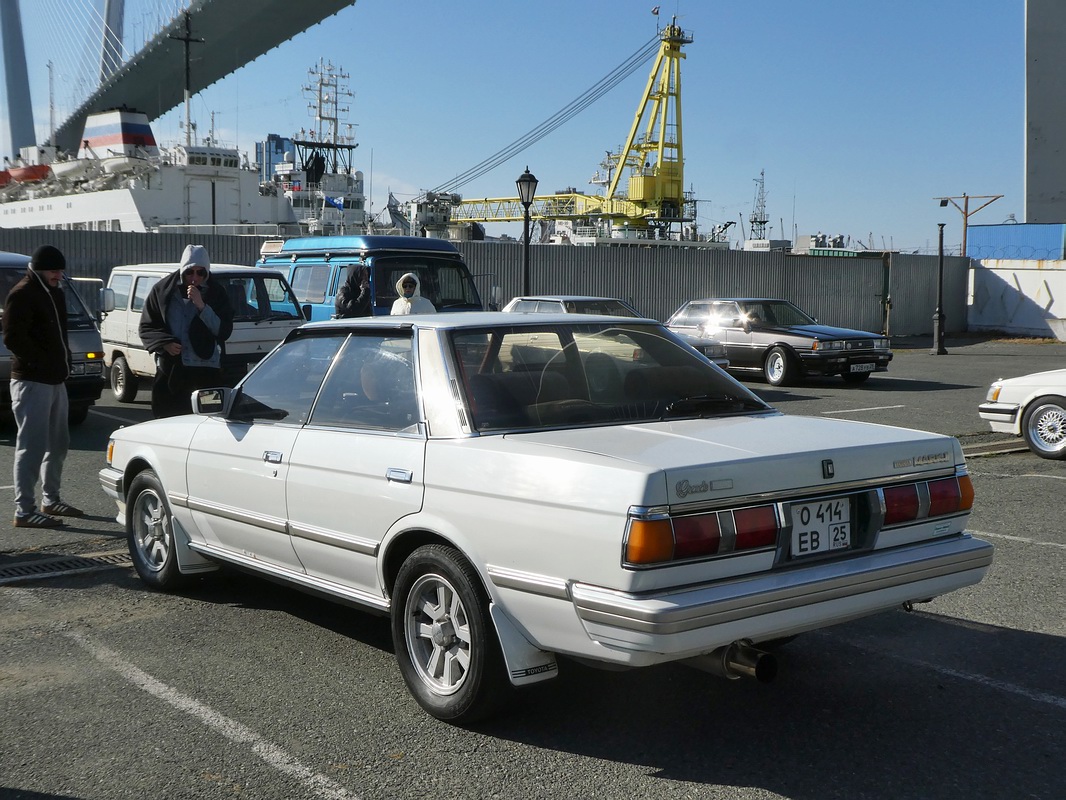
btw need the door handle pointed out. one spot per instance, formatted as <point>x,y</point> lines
<point>272,456</point>
<point>398,475</point>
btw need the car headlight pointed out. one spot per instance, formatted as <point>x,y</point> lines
<point>993,393</point>
<point>882,344</point>
<point>714,350</point>
<point>820,345</point>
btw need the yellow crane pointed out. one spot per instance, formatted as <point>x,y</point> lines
<point>651,162</point>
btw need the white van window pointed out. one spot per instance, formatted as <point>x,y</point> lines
<point>120,285</point>
<point>140,291</point>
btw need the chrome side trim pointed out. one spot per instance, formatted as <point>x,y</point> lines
<point>272,524</point>
<point>779,590</point>
<point>298,578</point>
<point>355,544</point>
<point>543,585</point>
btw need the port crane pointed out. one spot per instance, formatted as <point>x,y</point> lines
<point>644,195</point>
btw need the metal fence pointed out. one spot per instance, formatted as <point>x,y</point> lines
<point>893,292</point>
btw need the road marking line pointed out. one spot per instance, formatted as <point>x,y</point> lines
<point>273,755</point>
<point>116,418</point>
<point>1015,475</point>
<point>1029,694</point>
<point>1022,539</point>
<point>860,410</point>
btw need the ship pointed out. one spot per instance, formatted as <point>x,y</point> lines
<point>122,180</point>
<point>317,177</point>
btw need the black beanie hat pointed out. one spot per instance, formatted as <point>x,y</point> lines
<point>47,257</point>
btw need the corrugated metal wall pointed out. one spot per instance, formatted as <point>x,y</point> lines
<point>840,291</point>
<point>656,280</point>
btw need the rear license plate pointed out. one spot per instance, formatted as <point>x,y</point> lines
<point>821,527</point>
<point>862,367</point>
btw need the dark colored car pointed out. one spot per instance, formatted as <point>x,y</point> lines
<point>782,342</point>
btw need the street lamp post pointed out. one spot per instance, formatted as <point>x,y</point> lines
<point>527,189</point>
<point>938,315</point>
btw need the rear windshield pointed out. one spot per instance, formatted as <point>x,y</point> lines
<point>444,282</point>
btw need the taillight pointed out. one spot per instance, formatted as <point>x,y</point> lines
<point>655,541</point>
<point>696,536</point>
<point>901,504</point>
<point>756,527</point>
<point>946,496</point>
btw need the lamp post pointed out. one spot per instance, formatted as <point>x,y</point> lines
<point>938,315</point>
<point>527,188</point>
<point>964,209</point>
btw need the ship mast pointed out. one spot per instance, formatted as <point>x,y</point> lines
<point>187,39</point>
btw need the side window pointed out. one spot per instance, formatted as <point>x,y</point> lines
<point>725,315</point>
<point>371,385</point>
<point>525,306</point>
<point>140,291</point>
<point>310,281</point>
<point>283,387</point>
<point>551,307</point>
<point>121,284</point>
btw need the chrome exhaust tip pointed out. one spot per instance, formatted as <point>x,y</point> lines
<point>737,660</point>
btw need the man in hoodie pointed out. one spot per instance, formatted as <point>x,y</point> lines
<point>410,300</point>
<point>185,323</point>
<point>35,331</point>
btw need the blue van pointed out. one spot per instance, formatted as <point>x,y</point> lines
<point>317,267</point>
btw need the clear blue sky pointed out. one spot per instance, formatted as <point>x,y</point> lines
<point>859,112</point>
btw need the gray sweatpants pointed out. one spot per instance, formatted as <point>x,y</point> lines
<point>40,411</point>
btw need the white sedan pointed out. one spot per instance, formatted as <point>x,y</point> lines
<point>510,488</point>
<point>1033,407</point>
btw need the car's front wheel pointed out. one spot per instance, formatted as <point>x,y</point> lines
<point>444,639</point>
<point>150,530</point>
<point>779,367</point>
<point>1044,427</point>
<point>123,381</point>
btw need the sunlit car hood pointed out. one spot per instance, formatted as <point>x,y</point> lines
<point>821,331</point>
<point>1053,377</point>
<point>705,458</point>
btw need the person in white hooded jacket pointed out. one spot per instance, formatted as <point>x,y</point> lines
<point>410,300</point>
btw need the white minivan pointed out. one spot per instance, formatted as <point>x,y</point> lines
<point>264,311</point>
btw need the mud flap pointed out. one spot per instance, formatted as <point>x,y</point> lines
<point>189,561</point>
<point>525,663</point>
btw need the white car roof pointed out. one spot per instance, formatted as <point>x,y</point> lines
<point>473,319</point>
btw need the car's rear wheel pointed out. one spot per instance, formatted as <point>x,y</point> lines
<point>150,529</point>
<point>779,367</point>
<point>1044,427</point>
<point>444,639</point>
<point>123,381</point>
<point>855,377</point>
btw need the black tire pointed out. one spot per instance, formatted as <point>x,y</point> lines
<point>855,378</point>
<point>444,639</point>
<point>123,381</point>
<point>779,367</point>
<point>1044,427</point>
<point>77,414</point>
<point>150,533</point>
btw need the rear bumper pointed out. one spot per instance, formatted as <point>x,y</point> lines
<point>650,628</point>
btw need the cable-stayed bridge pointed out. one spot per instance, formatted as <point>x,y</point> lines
<point>187,44</point>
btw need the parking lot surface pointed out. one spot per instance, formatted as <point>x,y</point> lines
<point>237,688</point>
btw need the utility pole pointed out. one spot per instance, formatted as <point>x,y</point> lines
<point>965,209</point>
<point>188,39</point>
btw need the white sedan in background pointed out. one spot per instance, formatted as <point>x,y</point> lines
<point>1033,407</point>
<point>513,487</point>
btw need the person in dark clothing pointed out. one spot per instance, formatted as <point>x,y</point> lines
<point>35,331</point>
<point>185,323</point>
<point>354,296</point>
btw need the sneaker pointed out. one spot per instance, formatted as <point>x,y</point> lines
<point>37,520</point>
<point>62,509</point>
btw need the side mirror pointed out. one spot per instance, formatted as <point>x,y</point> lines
<point>212,402</point>
<point>107,300</point>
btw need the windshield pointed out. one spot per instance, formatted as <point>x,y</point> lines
<point>259,298</point>
<point>444,282</point>
<point>527,377</point>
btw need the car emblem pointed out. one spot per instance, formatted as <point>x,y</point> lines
<point>827,469</point>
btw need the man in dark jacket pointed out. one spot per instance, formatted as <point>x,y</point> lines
<point>35,331</point>
<point>354,296</point>
<point>185,323</point>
